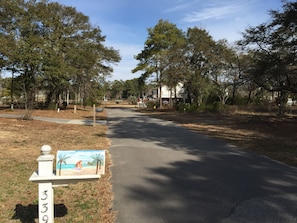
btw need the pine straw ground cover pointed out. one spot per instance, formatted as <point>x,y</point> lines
<point>20,143</point>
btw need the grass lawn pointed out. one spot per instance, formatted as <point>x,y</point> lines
<point>20,143</point>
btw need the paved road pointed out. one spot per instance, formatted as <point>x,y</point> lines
<point>164,173</point>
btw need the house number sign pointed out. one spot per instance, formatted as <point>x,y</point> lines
<point>91,163</point>
<point>44,210</point>
<point>45,203</point>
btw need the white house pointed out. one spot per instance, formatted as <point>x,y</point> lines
<point>166,94</point>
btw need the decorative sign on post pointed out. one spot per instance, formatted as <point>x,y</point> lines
<point>80,162</point>
<point>83,165</point>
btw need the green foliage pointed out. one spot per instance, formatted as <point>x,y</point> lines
<point>52,106</point>
<point>186,107</point>
<point>52,47</point>
<point>131,88</point>
<point>161,54</point>
<point>212,107</point>
<point>238,100</point>
<point>117,89</point>
<point>152,104</point>
<point>273,49</point>
<point>132,100</point>
<point>214,73</point>
<point>193,58</point>
<point>125,89</point>
<point>194,108</point>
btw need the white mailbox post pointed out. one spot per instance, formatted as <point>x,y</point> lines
<point>47,179</point>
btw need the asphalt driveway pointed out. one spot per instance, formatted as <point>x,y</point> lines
<point>165,173</point>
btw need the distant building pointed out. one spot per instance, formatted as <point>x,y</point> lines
<point>166,94</point>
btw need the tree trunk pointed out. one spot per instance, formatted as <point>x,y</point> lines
<point>48,99</point>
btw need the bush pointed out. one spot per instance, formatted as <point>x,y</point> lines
<point>183,107</point>
<point>213,107</point>
<point>237,100</point>
<point>52,106</point>
<point>132,100</point>
<point>152,104</point>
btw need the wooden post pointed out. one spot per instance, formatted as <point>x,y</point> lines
<point>74,109</point>
<point>45,189</point>
<point>94,115</point>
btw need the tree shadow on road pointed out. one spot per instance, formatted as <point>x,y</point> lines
<point>206,187</point>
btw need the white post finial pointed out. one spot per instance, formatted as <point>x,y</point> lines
<point>45,161</point>
<point>45,150</point>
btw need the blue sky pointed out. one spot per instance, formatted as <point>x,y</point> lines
<point>125,22</point>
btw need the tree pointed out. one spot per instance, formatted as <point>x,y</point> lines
<point>244,80</point>
<point>175,71</point>
<point>274,52</point>
<point>8,19</point>
<point>131,88</point>
<point>98,159</point>
<point>225,71</point>
<point>62,160</point>
<point>199,59</point>
<point>54,47</point>
<point>117,89</point>
<point>154,58</point>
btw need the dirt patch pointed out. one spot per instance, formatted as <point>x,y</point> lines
<point>69,113</point>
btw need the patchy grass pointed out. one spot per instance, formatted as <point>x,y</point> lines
<point>20,142</point>
<point>265,134</point>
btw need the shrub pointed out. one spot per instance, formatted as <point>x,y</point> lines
<point>152,104</point>
<point>132,100</point>
<point>183,107</point>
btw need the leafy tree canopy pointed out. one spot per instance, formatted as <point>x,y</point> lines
<point>273,45</point>
<point>51,46</point>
